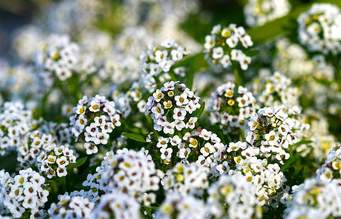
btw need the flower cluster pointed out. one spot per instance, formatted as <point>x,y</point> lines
<point>93,121</point>
<point>199,141</point>
<point>293,61</point>
<point>277,91</point>
<point>116,205</point>
<point>54,160</point>
<point>186,179</point>
<point>25,192</point>
<point>331,169</point>
<point>172,108</point>
<point>315,199</point>
<point>36,142</point>
<point>231,106</point>
<point>161,58</point>
<point>181,207</point>
<point>128,171</point>
<point>319,28</point>
<point>233,197</point>
<point>272,131</point>
<point>15,122</point>
<point>105,114</point>
<point>222,46</point>
<point>59,58</point>
<point>259,12</point>
<point>71,206</point>
<point>241,158</point>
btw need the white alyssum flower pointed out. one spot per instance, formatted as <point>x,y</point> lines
<point>319,28</point>
<point>128,171</point>
<point>158,61</point>
<point>15,123</point>
<point>93,120</point>
<point>186,179</point>
<point>315,199</point>
<point>55,159</point>
<point>172,107</point>
<point>224,46</point>
<point>25,192</point>
<point>273,131</point>
<point>259,12</point>
<point>231,106</point>
<point>233,197</point>
<point>200,146</point>
<point>181,207</point>
<point>331,169</point>
<point>116,205</point>
<point>71,207</point>
<point>59,57</point>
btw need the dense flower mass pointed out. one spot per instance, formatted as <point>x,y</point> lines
<point>54,160</point>
<point>315,199</point>
<point>71,207</point>
<point>272,131</point>
<point>24,193</point>
<point>181,207</point>
<point>259,12</point>
<point>172,108</point>
<point>15,123</point>
<point>59,58</point>
<point>233,197</point>
<point>134,110</point>
<point>319,28</point>
<point>231,106</point>
<point>116,205</point>
<point>127,171</point>
<point>223,47</point>
<point>93,121</point>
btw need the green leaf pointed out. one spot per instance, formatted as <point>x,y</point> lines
<point>81,161</point>
<point>135,137</point>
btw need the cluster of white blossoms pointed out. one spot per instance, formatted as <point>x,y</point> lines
<point>233,197</point>
<point>259,12</point>
<point>293,61</point>
<point>181,207</point>
<point>157,63</point>
<point>278,91</point>
<point>59,57</point>
<point>172,108</point>
<point>199,141</point>
<point>186,179</point>
<point>24,193</point>
<point>54,160</point>
<point>34,144</point>
<point>272,131</point>
<point>116,205</point>
<point>331,168</point>
<point>15,122</point>
<point>71,206</point>
<point>93,120</point>
<point>231,105</point>
<point>245,160</point>
<point>104,113</point>
<point>4,179</point>
<point>128,171</point>
<point>161,58</point>
<point>315,199</point>
<point>319,28</point>
<point>224,46</point>
<point>268,179</point>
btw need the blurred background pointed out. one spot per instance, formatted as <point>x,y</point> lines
<point>16,13</point>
